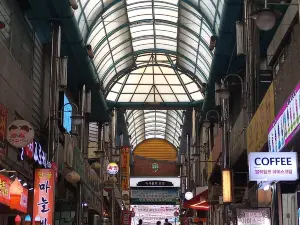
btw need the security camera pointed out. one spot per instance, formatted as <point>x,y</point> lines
<point>90,51</point>
<point>73,4</point>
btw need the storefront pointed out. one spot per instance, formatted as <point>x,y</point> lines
<point>283,136</point>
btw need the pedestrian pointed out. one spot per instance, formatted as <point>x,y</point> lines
<point>158,223</point>
<point>140,221</point>
<point>167,222</point>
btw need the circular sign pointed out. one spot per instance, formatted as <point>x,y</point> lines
<point>20,133</point>
<point>188,195</point>
<point>112,168</point>
<point>176,213</point>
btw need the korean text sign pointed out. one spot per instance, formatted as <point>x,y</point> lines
<point>255,216</point>
<point>43,203</point>
<point>125,160</point>
<point>273,166</point>
<point>286,123</point>
<point>5,183</point>
<point>126,217</point>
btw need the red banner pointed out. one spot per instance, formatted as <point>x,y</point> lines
<point>125,167</point>
<point>3,128</point>
<point>126,217</point>
<point>43,202</point>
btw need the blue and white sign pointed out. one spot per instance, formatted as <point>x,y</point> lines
<point>273,166</point>
<point>67,122</point>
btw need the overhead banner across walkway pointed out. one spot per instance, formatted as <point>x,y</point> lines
<point>155,196</point>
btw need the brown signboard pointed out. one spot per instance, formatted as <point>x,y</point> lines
<point>149,167</point>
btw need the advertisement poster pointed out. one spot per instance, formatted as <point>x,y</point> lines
<point>157,196</point>
<point>286,123</point>
<point>126,217</point>
<point>125,167</point>
<point>5,183</point>
<point>3,129</point>
<point>255,216</point>
<point>43,201</point>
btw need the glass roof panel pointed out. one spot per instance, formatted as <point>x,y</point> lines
<point>154,82</point>
<point>120,30</point>
<point>144,124</point>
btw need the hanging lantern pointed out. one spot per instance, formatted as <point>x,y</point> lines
<point>15,192</point>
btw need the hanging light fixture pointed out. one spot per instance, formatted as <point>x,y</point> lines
<point>15,192</point>
<point>265,19</point>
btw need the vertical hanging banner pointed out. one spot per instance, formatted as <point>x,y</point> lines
<point>3,128</point>
<point>126,217</point>
<point>43,202</point>
<point>125,167</point>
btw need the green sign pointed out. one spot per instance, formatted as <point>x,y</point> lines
<point>155,167</point>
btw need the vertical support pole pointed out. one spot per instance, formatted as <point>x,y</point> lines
<point>225,146</point>
<point>53,91</point>
<point>113,206</point>
<point>189,161</point>
<point>101,161</point>
<point>279,203</point>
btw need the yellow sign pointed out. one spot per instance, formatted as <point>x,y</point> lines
<point>257,131</point>
<point>125,167</point>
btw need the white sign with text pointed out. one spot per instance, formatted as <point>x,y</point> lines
<point>273,166</point>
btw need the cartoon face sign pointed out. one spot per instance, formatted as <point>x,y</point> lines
<point>112,168</point>
<point>20,133</point>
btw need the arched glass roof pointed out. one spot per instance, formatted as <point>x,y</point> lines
<point>154,80</point>
<point>146,124</point>
<point>122,31</point>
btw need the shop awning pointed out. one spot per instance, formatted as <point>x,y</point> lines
<point>199,202</point>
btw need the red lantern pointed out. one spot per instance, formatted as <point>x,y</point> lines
<point>15,192</point>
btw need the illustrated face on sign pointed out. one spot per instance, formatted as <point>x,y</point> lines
<point>112,168</point>
<point>20,133</point>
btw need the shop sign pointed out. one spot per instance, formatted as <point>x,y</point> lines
<point>255,216</point>
<point>35,152</point>
<point>3,129</point>
<point>271,166</point>
<point>4,189</point>
<point>43,201</point>
<point>286,123</point>
<point>20,133</point>
<point>112,168</point>
<point>5,183</point>
<point>126,217</point>
<point>155,183</point>
<point>156,196</point>
<point>257,130</point>
<point>125,167</point>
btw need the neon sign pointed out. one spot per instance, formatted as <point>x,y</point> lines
<point>67,123</point>
<point>34,151</point>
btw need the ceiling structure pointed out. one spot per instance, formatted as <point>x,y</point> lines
<point>146,124</point>
<point>151,51</point>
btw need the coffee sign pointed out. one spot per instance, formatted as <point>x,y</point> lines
<point>20,133</point>
<point>273,166</point>
<point>35,152</point>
